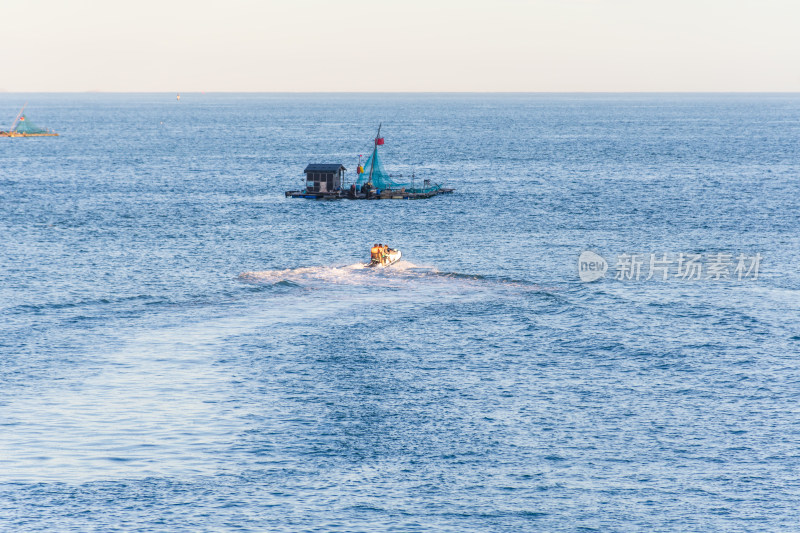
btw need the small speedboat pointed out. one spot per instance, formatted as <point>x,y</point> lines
<point>391,258</point>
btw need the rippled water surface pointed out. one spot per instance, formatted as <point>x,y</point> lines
<point>184,349</point>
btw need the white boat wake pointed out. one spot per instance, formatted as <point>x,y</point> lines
<point>355,274</point>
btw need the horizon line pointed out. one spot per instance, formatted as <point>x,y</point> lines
<point>740,92</point>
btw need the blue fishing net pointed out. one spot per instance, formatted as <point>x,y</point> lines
<point>381,179</point>
<point>26,126</point>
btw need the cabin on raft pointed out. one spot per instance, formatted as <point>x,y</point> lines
<point>323,178</point>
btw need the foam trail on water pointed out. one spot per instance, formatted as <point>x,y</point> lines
<point>340,274</point>
<point>330,274</point>
<point>403,265</point>
<point>398,275</point>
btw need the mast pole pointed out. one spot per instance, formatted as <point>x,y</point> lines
<point>16,120</point>
<point>374,153</point>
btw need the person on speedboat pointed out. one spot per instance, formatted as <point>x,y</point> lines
<point>375,253</point>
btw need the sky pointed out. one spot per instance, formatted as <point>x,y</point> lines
<point>404,46</point>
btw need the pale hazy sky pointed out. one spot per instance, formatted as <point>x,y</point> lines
<point>407,45</point>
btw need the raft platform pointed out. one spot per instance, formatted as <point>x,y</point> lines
<point>325,181</point>
<point>17,134</point>
<point>22,127</point>
<point>384,195</point>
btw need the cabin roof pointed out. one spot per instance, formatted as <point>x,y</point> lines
<point>324,167</point>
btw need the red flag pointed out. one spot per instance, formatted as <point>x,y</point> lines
<point>379,140</point>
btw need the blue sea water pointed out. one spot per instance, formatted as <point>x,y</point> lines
<point>184,349</point>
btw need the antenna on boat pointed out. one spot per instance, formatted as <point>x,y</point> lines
<point>16,119</point>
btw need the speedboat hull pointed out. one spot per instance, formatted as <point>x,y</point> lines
<point>392,257</point>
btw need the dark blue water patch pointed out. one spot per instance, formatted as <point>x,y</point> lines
<point>45,307</point>
<point>285,284</point>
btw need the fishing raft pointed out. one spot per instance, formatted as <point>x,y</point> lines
<point>22,127</point>
<point>324,182</point>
